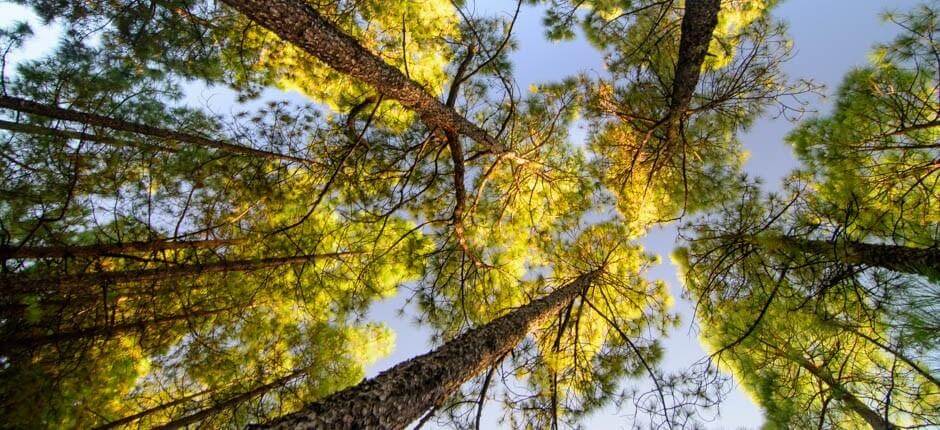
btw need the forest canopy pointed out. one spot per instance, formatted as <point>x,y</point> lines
<point>169,261</point>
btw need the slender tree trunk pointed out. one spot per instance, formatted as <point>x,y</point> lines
<point>92,119</point>
<point>887,348</point>
<point>143,414</point>
<point>77,135</point>
<point>107,249</point>
<point>24,284</point>
<point>400,395</point>
<point>873,418</point>
<point>904,259</point>
<point>300,24</point>
<point>231,402</point>
<point>698,25</point>
<point>29,342</point>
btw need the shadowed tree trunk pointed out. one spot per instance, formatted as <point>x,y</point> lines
<point>25,284</point>
<point>904,259</point>
<point>143,414</point>
<point>400,395</point>
<point>77,135</point>
<point>300,24</point>
<point>107,250</point>
<point>698,24</point>
<point>231,402</point>
<point>95,120</point>
<point>873,418</point>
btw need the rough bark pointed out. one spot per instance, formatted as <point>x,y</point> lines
<point>300,24</point>
<point>231,402</point>
<point>95,120</point>
<point>698,25</point>
<point>25,284</point>
<point>400,395</point>
<point>897,258</point>
<point>105,249</point>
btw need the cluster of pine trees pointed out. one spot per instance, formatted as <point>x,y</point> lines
<point>165,265</point>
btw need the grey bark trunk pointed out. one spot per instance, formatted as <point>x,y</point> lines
<point>400,395</point>
<point>300,24</point>
<point>904,259</point>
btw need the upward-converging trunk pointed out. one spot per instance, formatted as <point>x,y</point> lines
<point>25,284</point>
<point>96,120</point>
<point>904,259</point>
<point>107,249</point>
<point>403,393</point>
<point>698,24</point>
<point>841,393</point>
<point>299,23</point>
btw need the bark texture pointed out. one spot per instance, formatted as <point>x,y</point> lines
<point>299,23</point>
<point>95,120</point>
<point>25,284</point>
<point>698,25</point>
<point>400,395</point>
<point>897,258</point>
<point>106,250</point>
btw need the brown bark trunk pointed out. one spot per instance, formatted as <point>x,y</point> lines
<point>698,24</point>
<point>300,24</point>
<point>91,119</point>
<point>873,418</point>
<point>400,395</point>
<point>107,250</point>
<point>20,284</point>
<point>904,259</point>
<point>231,402</point>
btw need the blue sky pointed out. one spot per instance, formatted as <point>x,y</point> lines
<point>830,37</point>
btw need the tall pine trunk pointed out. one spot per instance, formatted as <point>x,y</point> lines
<point>26,284</point>
<point>400,395</point>
<point>841,393</point>
<point>297,22</point>
<point>107,249</point>
<point>897,258</point>
<point>95,120</point>
<point>698,24</point>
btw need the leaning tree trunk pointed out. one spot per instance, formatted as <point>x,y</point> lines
<point>96,120</point>
<point>904,259</point>
<point>107,249</point>
<point>120,422</point>
<point>300,24</point>
<point>841,393</point>
<point>400,395</point>
<point>698,24</point>
<point>26,284</point>
<point>231,402</point>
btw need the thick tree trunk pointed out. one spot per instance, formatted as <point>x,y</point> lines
<point>400,395</point>
<point>95,120</point>
<point>299,23</point>
<point>873,418</point>
<point>904,259</point>
<point>231,402</point>
<point>24,284</point>
<point>107,250</point>
<point>698,25</point>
